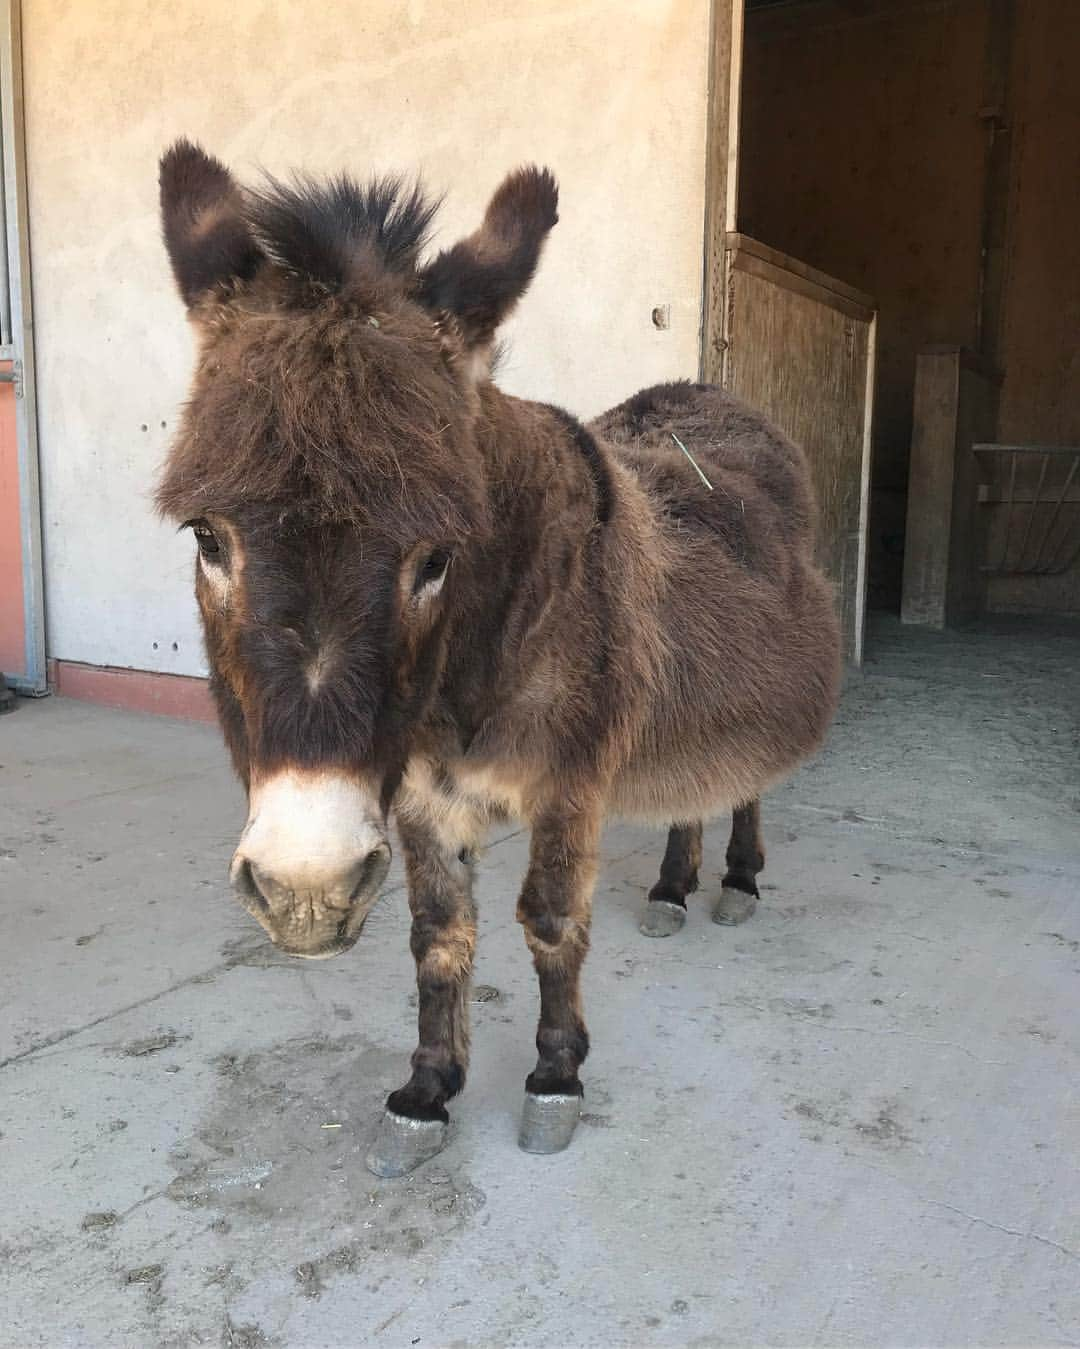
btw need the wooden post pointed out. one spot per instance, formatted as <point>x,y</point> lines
<point>721,178</point>
<point>955,405</point>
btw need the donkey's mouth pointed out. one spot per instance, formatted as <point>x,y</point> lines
<point>342,940</point>
<point>299,925</point>
<point>337,947</point>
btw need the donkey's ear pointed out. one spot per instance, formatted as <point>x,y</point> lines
<point>480,279</point>
<point>207,237</point>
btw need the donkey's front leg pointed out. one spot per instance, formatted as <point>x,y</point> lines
<point>442,941</point>
<point>554,908</point>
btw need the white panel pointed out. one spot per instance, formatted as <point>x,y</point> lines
<point>611,94</point>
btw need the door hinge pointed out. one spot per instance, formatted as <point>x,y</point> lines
<point>14,376</point>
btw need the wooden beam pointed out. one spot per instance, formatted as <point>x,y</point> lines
<point>794,276</point>
<point>746,247</point>
<point>954,403</point>
<point>721,178</point>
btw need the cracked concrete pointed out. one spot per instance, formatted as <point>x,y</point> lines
<point>852,1121</point>
<point>1009,1231</point>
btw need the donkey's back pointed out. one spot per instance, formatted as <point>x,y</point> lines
<point>758,487</point>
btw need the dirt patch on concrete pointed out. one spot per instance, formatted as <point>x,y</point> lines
<point>100,1222</point>
<point>882,1129</point>
<point>150,1044</point>
<point>279,1162</point>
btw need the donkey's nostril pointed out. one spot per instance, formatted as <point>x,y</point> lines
<point>266,895</point>
<point>371,872</point>
<point>246,886</point>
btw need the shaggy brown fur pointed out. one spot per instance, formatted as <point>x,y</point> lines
<point>610,636</point>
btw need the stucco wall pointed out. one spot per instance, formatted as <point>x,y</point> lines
<point>610,93</point>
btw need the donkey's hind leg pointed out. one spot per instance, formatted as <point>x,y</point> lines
<point>665,912</point>
<point>745,858</point>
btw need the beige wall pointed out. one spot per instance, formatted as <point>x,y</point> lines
<point>610,93</point>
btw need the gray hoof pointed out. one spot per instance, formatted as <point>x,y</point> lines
<point>402,1144</point>
<point>733,906</point>
<point>548,1122</point>
<point>661,918</point>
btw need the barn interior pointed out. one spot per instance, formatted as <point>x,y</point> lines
<point>927,152</point>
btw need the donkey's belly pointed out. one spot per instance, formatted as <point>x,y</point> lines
<point>698,762</point>
<point>680,790</point>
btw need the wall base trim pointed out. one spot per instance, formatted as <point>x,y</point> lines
<point>165,695</point>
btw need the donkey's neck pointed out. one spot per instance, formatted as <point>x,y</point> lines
<point>544,468</point>
<point>548,602</point>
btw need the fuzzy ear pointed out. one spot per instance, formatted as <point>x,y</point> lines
<point>480,279</point>
<point>202,218</point>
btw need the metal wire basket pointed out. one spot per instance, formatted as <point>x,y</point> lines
<point>1035,493</point>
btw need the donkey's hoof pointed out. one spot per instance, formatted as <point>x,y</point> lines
<point>548,1122</point>
<point>661,918</point>
<point>402,1144</point>
<point>733,906</point>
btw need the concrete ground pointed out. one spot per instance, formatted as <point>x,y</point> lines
<point>854,1120</point>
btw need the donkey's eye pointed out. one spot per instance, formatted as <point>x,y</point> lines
<point>432,569</point>
<point>206,539</point>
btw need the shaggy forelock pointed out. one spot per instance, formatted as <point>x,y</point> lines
<point>320,413</point>
<point>324,231</point>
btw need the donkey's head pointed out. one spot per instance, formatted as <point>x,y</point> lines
<point>330,469</point>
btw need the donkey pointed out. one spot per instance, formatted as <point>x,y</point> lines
<point>423,596</point>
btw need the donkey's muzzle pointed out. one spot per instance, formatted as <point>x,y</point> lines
<point>314,923</point>
<point>311,861</point>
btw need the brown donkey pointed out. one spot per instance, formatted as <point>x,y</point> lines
<point>422,595</point>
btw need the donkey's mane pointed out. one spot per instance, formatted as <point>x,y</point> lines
<point>321,230</point>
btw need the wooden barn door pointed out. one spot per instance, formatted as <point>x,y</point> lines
<point>791,341</point>
<point>800,346</point>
